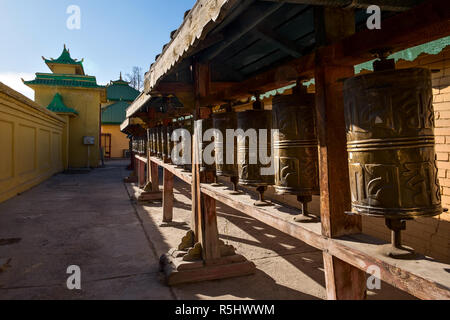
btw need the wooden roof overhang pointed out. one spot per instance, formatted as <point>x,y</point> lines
<point>254,46</point>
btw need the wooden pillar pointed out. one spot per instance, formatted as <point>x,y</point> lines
<point>154,176</point>
<point>202,255</point>
<point>168,196</point>
<point>343,280</point>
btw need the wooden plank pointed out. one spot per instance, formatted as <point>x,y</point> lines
<point>278,216</point>
<point>168,196</point>
<point>185,176</point>
<point>423,278</point>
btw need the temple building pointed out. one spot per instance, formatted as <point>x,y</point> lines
<point>120,95</point>
<point>72,94</point>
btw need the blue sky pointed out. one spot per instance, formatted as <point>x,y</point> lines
<point>115,35</point>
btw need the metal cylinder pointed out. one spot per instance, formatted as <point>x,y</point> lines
<point>188,124</point>
<point>390,135</point>
<point>163,134</point>
<point>222,122</point>
<point>295,144</point>
<point>153,141</point>
<point>206,125</point>
<point>158,142</point>
<point>250,173</point>
<point>170,143</point>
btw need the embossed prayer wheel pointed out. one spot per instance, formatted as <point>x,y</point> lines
<point>164,150</point>
<point>249,162</point>
<point>188,124</point>
<point>206,124</point>
<point>150,142</point>
<point>296,147</point>
<point>390,139</point>
<point>158,142</point>
<point>222,122</point>
<point>169,141</point>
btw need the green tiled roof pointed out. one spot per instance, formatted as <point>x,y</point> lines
<point>121,91</point>
<point>57,105</point>
<point>115,113</point>
<point>65,80</point>
<point>65,58</point>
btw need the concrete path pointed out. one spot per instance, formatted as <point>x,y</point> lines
<point>88,220</point>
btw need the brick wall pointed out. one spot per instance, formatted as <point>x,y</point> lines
<point>430,236</point>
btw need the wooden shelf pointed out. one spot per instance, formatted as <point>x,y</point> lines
<point>423,278</point>
<point>180,173</point>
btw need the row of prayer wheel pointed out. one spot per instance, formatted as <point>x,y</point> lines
<point>390,134</point>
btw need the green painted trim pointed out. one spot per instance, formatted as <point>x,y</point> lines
<point>411,54</point>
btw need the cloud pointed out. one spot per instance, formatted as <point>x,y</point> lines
<point>13,80</point>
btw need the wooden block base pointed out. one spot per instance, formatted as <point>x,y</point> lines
<point>151,196</point>
<point>177,271</point>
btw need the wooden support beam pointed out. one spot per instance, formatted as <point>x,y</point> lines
<point>168,196</point>
<point>343,280</point>
<point>387,5</point>
<point>286,45</point>
<point>253,19</point>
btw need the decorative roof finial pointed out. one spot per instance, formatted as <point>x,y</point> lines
<point>65,47</point>
<point>121,76</point>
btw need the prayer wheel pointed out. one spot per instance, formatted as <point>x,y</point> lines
<point>390,140</point>
<point>222,122</point>
<point>296,147</point>
<point>179,125</point>
<point>206,124</point>
<point>250,170</point>
<point>169,141</point>
<point>150,141</point>
<point>164,150</point>
<point>188,124</point>
<point>158,142</point>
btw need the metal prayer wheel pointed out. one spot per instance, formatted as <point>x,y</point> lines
<point>164,150</point>
<point>188,124</point>
<point>392,163</point>
<point>206,124</point>
<point>222,122</point>
<point>150,142</point>
<point>153,141</point>
<point>158,142</point>
<point>170,144</point>
<point>249,171</point>
<point>179,125</point>
<point>296,147</point>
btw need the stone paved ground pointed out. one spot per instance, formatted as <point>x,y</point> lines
<point>89,220</point>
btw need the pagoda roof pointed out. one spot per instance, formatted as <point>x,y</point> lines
<point>64,80</point>
<point>121,90</point>
<point>57,105</point>
<point>65,59</point>
<point>115,113</point>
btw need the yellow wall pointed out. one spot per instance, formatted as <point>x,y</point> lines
<point>64,69</point>
<point>119,140</point>
<point>31,143</point>
<point>87,123</point>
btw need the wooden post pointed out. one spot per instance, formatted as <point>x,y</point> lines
<point>154,176</point>
<point>343,280</point>
<point>201,255</point>
<point>168,196</point>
